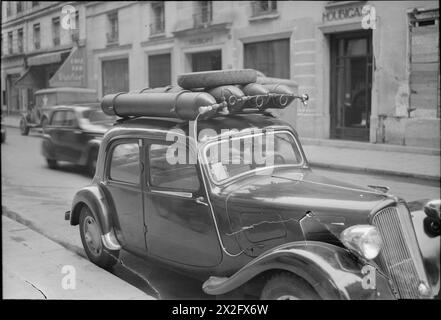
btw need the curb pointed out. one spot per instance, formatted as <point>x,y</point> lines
<point>374,171</point>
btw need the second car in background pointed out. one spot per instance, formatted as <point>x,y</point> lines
<point>74,134</point>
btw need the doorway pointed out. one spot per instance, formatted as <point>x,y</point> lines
<point>351,85</point>
<point>206,61</point>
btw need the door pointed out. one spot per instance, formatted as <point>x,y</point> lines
<point>159,70</point>
<point>351,85</point>
<point>123,182</point>
<point>53,130</point>
<point>69,135</point>
<point>180,227</point>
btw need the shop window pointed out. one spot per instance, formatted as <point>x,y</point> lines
<point>263,7</point>
<point>112,34</point>
<point>56,31</point>
<point>424,62</point>
<point>37,36</point>
<point>159,70</point>
<point>269,57</point>
<point>8,8</point>
<point>206,61</point>
<point>10,43</point>
<point>204,13</point>
<point>158,25</point>
<point>20,40</point>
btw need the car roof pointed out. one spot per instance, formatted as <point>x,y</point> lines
<point>78,107</point>
<point>218,123</point>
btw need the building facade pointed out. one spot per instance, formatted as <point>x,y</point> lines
<point>34,46</point>
<point>371,68</point>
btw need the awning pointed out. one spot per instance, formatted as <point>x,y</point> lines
<point>28,79</point>
<point>47,58</point>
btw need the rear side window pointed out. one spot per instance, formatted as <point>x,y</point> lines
<point>58,118</point>
<point>175,176</point>
<point>70,120</point>
<point>124,164</point>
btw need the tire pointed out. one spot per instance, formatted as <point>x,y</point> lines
<point>3,136</point>
<point>52,164</point>
<point>24,129</point>
<point>210,79</point>
<point>90,233</point>
<point>287,286</point>
<point>91,163</point>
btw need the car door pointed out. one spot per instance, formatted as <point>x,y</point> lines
<point>53,130</point>
<point>178,219</point>
<point>123,181</point>
<point>70,137</point>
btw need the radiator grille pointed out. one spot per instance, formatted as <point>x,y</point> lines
<point>400,256</point>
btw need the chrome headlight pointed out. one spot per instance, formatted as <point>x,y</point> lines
<point>363,240</point>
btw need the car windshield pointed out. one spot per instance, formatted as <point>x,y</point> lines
<point>235,156</point>
<point>97,116</point>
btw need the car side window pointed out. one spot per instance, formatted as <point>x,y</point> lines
<point>70,120</point>
<point>166,174</point>
<point>57,118</point>
<point>124,163</point>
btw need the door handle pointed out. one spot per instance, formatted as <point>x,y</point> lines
<point>201,200</point>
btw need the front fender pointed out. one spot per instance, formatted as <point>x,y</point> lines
<point>332,271</point>
<point>93,197</point>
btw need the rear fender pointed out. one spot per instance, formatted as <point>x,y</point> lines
<point>93,197</point>
<point>332,271</point>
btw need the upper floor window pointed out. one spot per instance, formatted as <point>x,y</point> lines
<point>158,19</point>
<point>204,13</point>
<point>20,40</point>
<point>263,7</point>
<point>112,34</point>
<point>37,36</point>
<point>19,7</point>
<point>56,31</point>
<point>10,42</point>
<point>8,8</point>
<point>35,3</point>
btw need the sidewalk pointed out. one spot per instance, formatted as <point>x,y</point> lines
<point>33,265</point>
<point>404,164</point>
<point>11,121</point>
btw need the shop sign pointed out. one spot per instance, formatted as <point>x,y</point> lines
<point>72,72</point>
<point>343,13</point>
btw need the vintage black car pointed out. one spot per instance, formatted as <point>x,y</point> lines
<point>271,230</point>
<point>74,133</point>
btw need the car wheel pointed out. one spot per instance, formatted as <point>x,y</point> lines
<point>90,233</point>
<point>24,129</point>
<point>91,164</point>
<point>3,136</point>
<point>210,79</point>
<point>287,286</point>
<point>52,164</point>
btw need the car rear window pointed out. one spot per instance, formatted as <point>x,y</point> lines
<point>97,116</point>
<point>124,165</point>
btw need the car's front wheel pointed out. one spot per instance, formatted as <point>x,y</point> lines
<point>90,233</point>
<point>52,164</point>
<point>287,286</point>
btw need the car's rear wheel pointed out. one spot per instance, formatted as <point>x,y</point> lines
<point>90,233</point>
<point>52,163</point>
<point>287,286</point>
<point>24,129</point>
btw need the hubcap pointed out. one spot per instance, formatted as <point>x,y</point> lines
<point>92,236</point>
<point>287,297</point>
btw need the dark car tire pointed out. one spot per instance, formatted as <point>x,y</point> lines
<point>24,129</point>
<point>91,163</point>
<point>90,233</point>
<point>3,136</point>
<point>52,163</point>
<point>209,79</point>
<point>287,286</point>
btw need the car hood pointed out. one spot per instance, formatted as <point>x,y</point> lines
<point>271,206</point>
